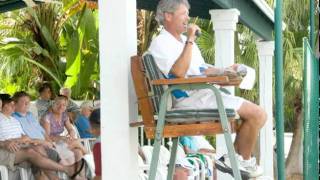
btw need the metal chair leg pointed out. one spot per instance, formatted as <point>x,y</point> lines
<point>155,159</point>
<point>227,134</point>
<point>232,155</point>
<point>172,158</point>
<point>158,136</point>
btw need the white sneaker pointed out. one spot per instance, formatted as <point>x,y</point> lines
<point>248,168</point>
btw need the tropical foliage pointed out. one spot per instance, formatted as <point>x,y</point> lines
<point>55,42</point>
<point>147,28</point>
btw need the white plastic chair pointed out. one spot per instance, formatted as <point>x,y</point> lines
<point>210,161</point>
<point>164,161</point>
<point>4,173</point>
<point>195,172</point>
<point>206,172</point>
<point>85,141</point>
<point>143,168</point>
<point>24,175</point>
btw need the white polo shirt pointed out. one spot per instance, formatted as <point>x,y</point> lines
<point>166,49</point>
<point>9,128</point>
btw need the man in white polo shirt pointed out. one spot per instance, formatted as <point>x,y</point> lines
<point>178,56</point>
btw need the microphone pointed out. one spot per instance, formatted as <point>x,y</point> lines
<point>198,33</point>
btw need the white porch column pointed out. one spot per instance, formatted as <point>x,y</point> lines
<point>265,53</point>
<point>118,41</point>
<point>224,25</point>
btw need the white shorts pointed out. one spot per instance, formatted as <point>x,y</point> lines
<point>205,99</point>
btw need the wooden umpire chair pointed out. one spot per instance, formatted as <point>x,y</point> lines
<point>153,91</point>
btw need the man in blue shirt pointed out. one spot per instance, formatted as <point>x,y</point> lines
<point>82,122</point>
<point>29,123</point>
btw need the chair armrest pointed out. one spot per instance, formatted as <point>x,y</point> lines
<point>219,80</point>
<point>192,80</point>
<point>87,139</point>
<point>224,90</point>
<point>233,81</point>
<point>87,142</point>
<point>136,123</point>
<point>144,167</point>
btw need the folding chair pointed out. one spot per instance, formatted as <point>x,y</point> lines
<point>153,91</point>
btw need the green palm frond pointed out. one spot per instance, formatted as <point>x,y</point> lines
<point>44,33</point>
<point>206,40</point>
<point>206,46</point>
<point>147,28</point>
<point>44,68</point>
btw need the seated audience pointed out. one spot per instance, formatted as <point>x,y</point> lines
<point>29,123</point>
<point>16,147</point>
<point>44,101</point>
<point>55,122</point>
<point>198,145</point>
<point>34,130</point>
<point>95,130</point>
<point>97,158</point>
<point>181,171</point>
<point>72,106</point>
<point>82,122</point>
<point>95,117</point>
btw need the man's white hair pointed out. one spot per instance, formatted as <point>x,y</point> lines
<point>86,104</point>
<point>65,89</point>
<point>168,6</point>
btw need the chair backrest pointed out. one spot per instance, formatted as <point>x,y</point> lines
<point>143,71</point>
<point>153,73</point>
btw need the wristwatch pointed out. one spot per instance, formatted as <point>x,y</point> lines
<point>189,42</point>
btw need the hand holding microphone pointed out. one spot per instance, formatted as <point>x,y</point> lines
<point>193,32</point>
<point>198,33</point>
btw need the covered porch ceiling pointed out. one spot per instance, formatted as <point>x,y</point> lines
<point>255,14</point>
<point>10,5</point>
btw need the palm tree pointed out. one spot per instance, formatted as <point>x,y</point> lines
<point>56,42</point>
<point>147,28</point>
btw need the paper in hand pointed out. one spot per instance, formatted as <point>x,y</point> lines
<point>249,79</point>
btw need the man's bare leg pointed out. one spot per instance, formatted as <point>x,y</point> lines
<point>78,154</point>
<point>44,174</point>
<point>30,155</point>
<point>253,117</point>
<point>40,176</point>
